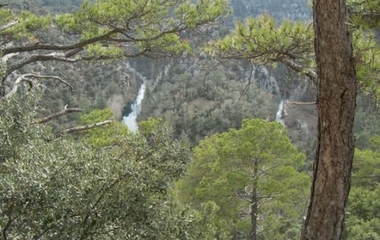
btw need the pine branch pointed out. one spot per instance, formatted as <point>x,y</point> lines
<point>57,47</point>
<point>311,74</point>
<point>68,57</point>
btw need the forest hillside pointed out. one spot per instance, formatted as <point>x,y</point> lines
<point>223,97</point>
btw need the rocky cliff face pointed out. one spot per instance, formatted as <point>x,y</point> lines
<point>165,87</point>
<point>300,120</point>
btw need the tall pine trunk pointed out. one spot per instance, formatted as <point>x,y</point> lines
<point>254,202</point>
<point>336,109</point>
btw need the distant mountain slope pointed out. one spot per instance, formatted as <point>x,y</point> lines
<point>279,9</point>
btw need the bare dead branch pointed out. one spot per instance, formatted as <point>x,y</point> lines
<point>17,83</point>
<point>57,115</point>
<point>60,80</point>
<point>6,58</point>
<point>9,25</point>
<point>30,79</point>
<point>303,103</point>
<point>82,128</point>
<point>373,176</point>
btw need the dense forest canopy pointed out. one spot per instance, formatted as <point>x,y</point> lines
<point>227,130</point>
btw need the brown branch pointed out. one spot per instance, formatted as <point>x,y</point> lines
<point>129,38</point>
<point>82,44</point>
<point>374,176</point>
<point>82,128</point>
<point>54,47</point>
<point>64,57</point>
<point>40,58</point>
<point>8,213</point>
<point>297,67</point>
<point>57,115</point>
<point>244,56</point>
<point>300,69</point>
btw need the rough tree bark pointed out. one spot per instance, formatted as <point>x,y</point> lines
<point>336,108</point>
<point>254,202</point>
